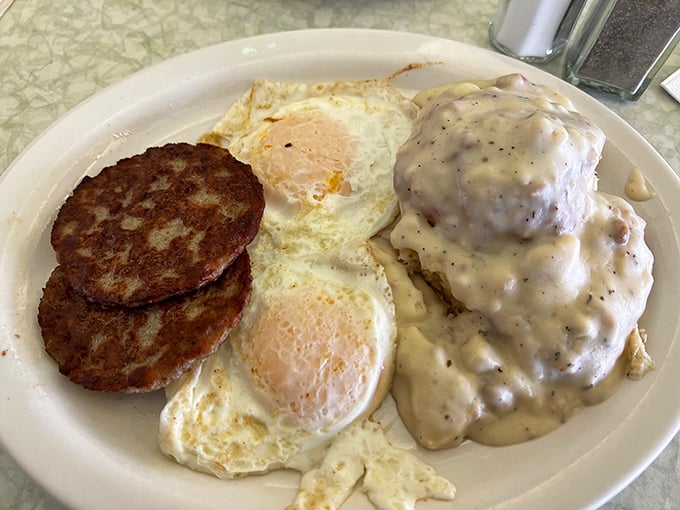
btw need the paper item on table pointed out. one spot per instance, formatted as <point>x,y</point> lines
<point>672,85</point>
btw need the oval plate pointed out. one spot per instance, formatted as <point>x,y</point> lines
<point>100,450</point>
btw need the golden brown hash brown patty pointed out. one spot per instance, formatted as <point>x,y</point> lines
<point>107,348</point>
<point>158,224</point>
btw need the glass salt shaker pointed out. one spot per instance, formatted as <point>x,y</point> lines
<point>620,45</point>
<point>534,31</point>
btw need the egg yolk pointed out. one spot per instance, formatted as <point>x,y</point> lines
<point>312,353</point>
<point>306,155</point>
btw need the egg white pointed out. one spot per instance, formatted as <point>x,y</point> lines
<point>342,304</point>
<point>324,154</point>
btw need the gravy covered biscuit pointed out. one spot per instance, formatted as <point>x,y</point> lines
<point>141,349</point>
<point>498,194</point>
<point>157,225</point>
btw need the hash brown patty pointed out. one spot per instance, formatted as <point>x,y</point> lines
<point>157,224</point>
<point>115,349</point>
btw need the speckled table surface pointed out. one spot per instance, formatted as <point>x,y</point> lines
<point>54,54</point>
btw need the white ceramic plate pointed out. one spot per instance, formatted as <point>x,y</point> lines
<point>99,451</point>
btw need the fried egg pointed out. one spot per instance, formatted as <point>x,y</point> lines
<point>312,354</point>
<point>296,382</point>
<point>324,153</point>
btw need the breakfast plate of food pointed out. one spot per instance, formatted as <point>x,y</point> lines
<point>344,269</point>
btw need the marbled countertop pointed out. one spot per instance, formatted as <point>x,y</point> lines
<point>56,53</point>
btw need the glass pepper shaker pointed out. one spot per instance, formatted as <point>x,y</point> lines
<point>621,44</point>
<point>534,31</point>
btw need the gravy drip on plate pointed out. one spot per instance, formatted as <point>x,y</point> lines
<point>636,186</point>
<point>500,211</point>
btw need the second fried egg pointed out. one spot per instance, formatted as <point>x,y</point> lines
<point>312,354</point>
<point>324,153</point>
